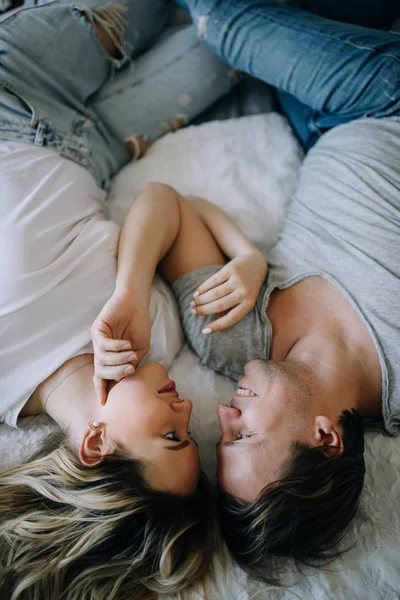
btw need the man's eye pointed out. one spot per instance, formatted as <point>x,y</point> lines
<point>171,436</point>
<point>242,436</point>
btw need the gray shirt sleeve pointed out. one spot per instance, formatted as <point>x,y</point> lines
<point>226,352</point>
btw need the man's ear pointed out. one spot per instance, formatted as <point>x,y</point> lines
<point>96,445</point>
<point>328,436</point>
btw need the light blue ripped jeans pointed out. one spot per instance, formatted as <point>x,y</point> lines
<point>326,72</point>
<point>60,88</point>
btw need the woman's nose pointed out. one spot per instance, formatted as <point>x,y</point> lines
<point>182,405</point>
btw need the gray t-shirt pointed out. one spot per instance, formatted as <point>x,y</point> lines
<point>343,225</point>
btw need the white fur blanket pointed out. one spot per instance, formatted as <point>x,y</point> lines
<point>249,167</point>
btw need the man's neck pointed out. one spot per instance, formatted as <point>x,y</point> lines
<point>314,323</point>
<point>340,370</point>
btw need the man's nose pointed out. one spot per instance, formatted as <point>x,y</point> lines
<point>253,366</point>
<point>227,416</point>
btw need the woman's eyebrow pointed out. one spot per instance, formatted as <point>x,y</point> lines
<point>179,446</point>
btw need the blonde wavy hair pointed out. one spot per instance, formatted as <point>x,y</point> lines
<point>72,533</point>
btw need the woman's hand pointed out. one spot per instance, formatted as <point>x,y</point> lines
<point>232,291</point>
<point>121,339</point>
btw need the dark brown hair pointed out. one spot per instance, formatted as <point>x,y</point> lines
<point>305,514</point>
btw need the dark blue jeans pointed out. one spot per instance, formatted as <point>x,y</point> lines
<point>326,72</point>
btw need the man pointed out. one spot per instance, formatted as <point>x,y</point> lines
<point>326,325</point>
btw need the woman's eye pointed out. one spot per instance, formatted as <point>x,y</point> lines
<point>171,436</point>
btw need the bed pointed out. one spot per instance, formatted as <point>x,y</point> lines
<point>249,166</point>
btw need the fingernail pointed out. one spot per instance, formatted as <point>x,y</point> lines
<point>132,357</point>
<point>193,311</point>
<point>129,370</point>
<point>206,331</point>
<point>196,294</point>
<point>126,347</point>
<point>192,303</point>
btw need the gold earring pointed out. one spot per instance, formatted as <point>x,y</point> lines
<point>93,424</point>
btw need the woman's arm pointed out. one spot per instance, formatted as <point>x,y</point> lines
<point>160,227</point>
<point>148,233</point>
<point>229,237</point>
<point>164,229</point>
<point>121,332</point>
<point>207,236</point>
<point>232,292</point>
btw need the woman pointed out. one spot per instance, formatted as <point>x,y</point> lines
<point>115,507</point>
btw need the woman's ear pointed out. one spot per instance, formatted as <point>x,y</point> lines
<point>96,445</point>
<point>328,436</point>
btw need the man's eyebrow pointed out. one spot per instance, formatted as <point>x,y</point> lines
<point>220,443</point>
<point>180,446</point>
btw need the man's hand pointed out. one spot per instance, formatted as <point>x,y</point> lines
<point>121,339</point>
<point>233,290</point>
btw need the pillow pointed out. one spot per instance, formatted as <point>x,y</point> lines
<point>247,166</point>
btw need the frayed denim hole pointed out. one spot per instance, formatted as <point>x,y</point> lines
<point>111,20</point>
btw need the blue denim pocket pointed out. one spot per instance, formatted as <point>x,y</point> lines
<point>18,116</point>
<point>19,122</point>
<point>76,144</point>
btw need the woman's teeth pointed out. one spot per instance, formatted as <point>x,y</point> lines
<point>244,392</point>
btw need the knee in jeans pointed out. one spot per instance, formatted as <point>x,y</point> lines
<point>108,22</point>
<point>137,145</point>
<point>200,12</point>
<point>175,124</point>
